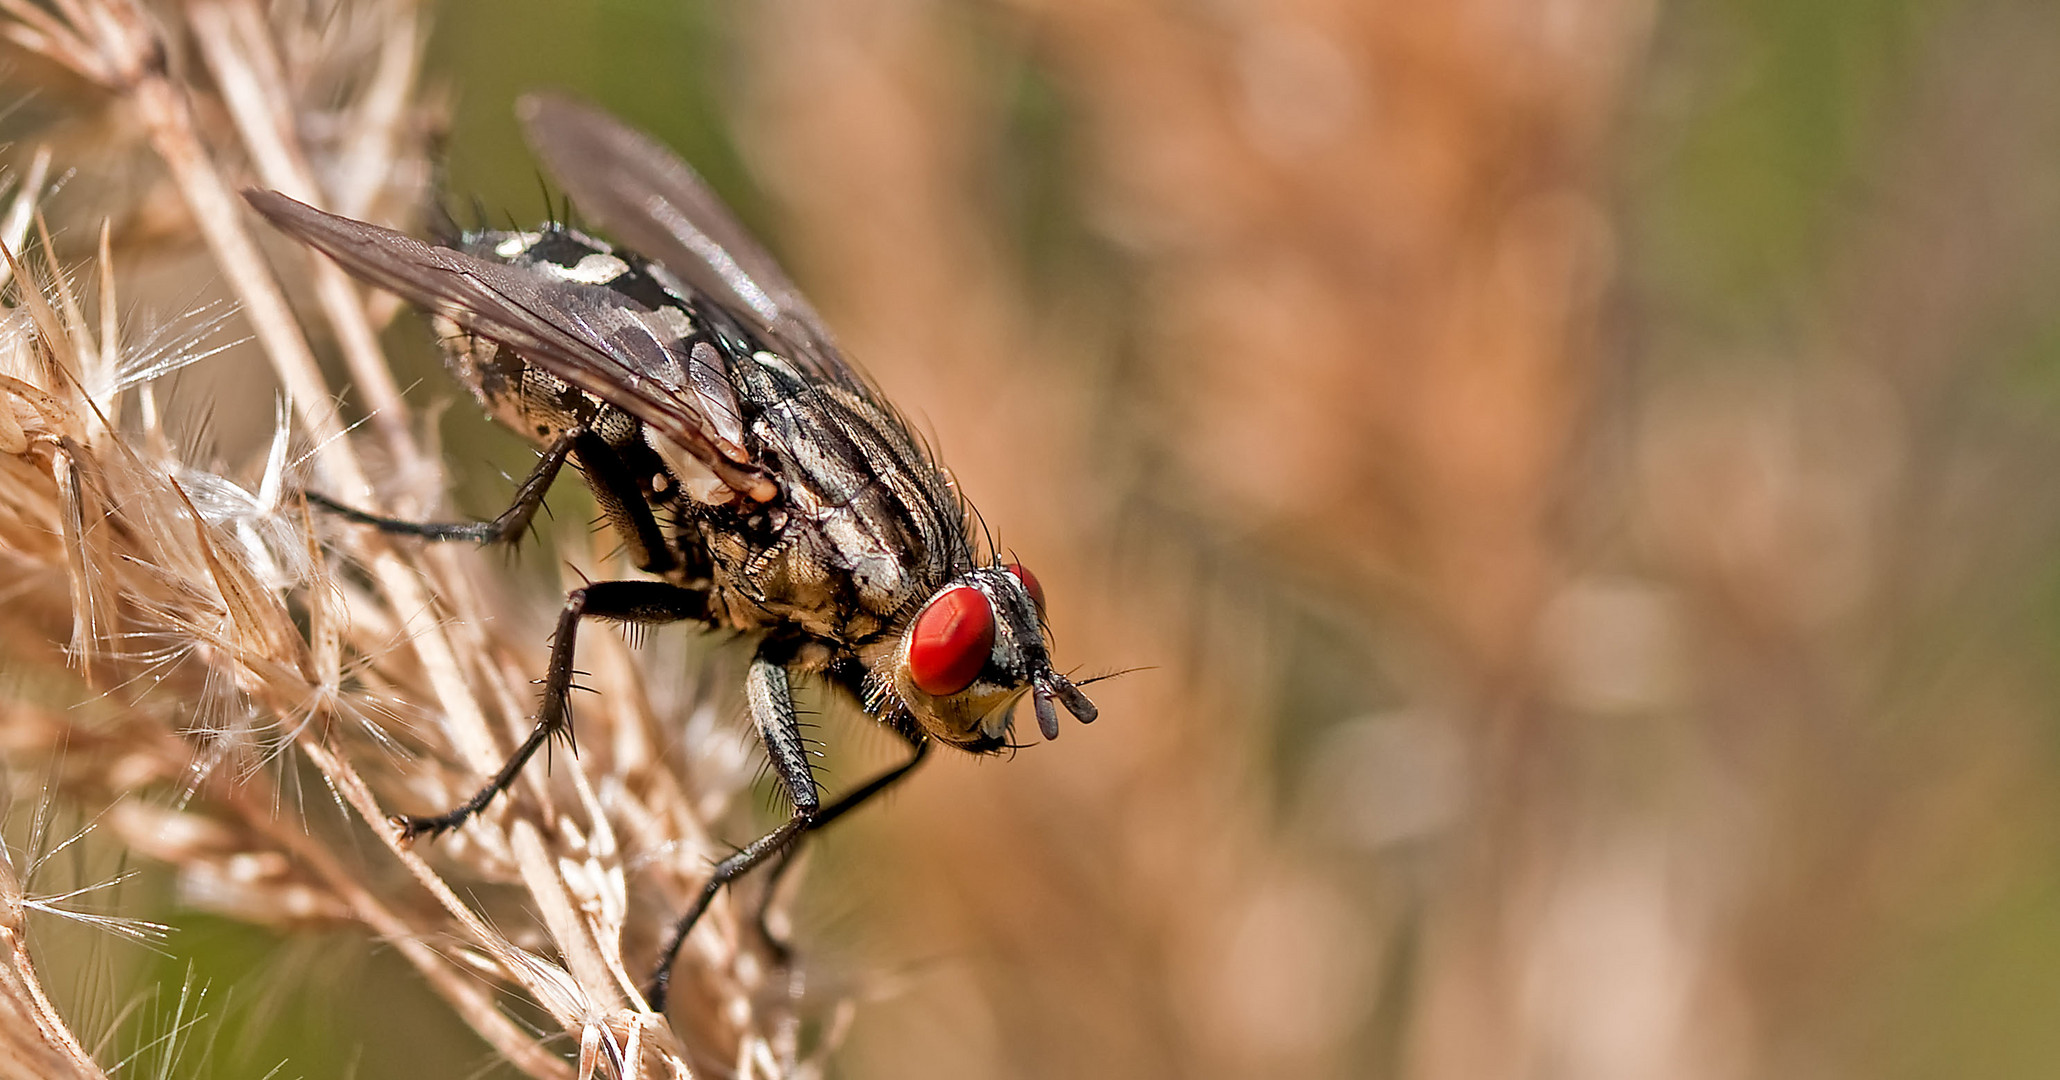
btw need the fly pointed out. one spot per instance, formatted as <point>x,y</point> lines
<point>763,483</point>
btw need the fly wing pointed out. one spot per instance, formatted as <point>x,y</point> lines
<point>579,333</point>
<point>658,206</point>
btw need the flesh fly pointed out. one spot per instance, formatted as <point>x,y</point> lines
<point>762,483</point>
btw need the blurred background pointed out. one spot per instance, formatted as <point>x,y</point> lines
<point>1569,484</point>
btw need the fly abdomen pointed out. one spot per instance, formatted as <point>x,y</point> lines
<point>530,401</point>
<point>535,403</point>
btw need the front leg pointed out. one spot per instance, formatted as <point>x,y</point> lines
<point>919,748</point>
<point>771,700</point>
<point>646,603</point>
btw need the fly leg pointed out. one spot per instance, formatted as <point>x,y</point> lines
<point>608,477</point>
<point>772,709</point>
<point>771,699</point>
<point>507,528</point>
<point>645,603</point>
<point>920,748</point>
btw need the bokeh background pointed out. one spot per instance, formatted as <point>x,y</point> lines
<point>1572,483</point>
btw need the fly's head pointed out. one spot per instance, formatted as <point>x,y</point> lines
<point>971,653</point>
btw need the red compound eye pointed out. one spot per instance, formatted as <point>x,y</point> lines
<point>1029,581</point>
<point>950,641</point>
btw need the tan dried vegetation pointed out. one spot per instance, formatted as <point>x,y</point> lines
<point>224,642</point>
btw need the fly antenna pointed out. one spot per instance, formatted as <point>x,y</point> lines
<point>1112,674</point>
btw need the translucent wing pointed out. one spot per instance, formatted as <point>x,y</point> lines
<point>583,334</point>
<point>658,206</point>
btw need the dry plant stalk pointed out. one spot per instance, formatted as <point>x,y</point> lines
<point>34,1039</point>
<point>171,592</point>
